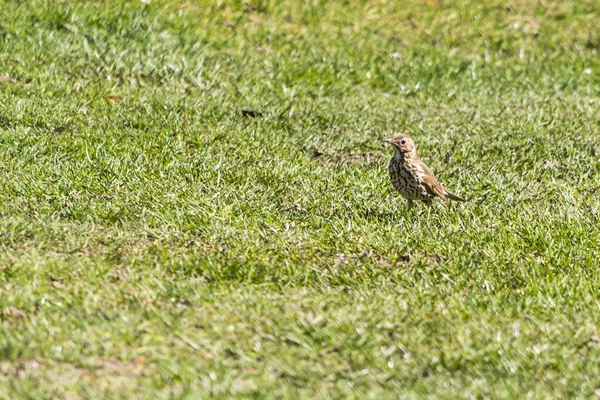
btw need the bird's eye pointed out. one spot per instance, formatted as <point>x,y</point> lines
<point>403,141</point>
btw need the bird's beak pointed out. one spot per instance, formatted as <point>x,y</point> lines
<point>387,140</point>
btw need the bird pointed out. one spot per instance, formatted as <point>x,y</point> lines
<point>411,177</point>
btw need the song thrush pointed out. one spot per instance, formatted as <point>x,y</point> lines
<point>411,177</point>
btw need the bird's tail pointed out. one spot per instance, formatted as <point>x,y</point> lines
<point>452,196</point>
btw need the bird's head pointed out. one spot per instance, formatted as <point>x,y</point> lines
<point>402,143</point>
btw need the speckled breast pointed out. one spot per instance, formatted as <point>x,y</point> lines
<point>407,179</point>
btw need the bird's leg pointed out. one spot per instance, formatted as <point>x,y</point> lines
<point>428,202</point>
<point>410,204</point>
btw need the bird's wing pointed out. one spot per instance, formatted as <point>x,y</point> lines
<point>430,182</point>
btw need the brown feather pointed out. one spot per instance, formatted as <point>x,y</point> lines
<point>452,196</point>
<point>430,182</point>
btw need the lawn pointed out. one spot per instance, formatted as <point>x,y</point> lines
<point>195,199</point>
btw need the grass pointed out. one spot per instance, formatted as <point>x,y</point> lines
<point>157,243</point>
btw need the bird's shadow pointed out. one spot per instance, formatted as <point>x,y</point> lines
<point>371,213</point>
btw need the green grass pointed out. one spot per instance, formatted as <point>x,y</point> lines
<point>156,243</point>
